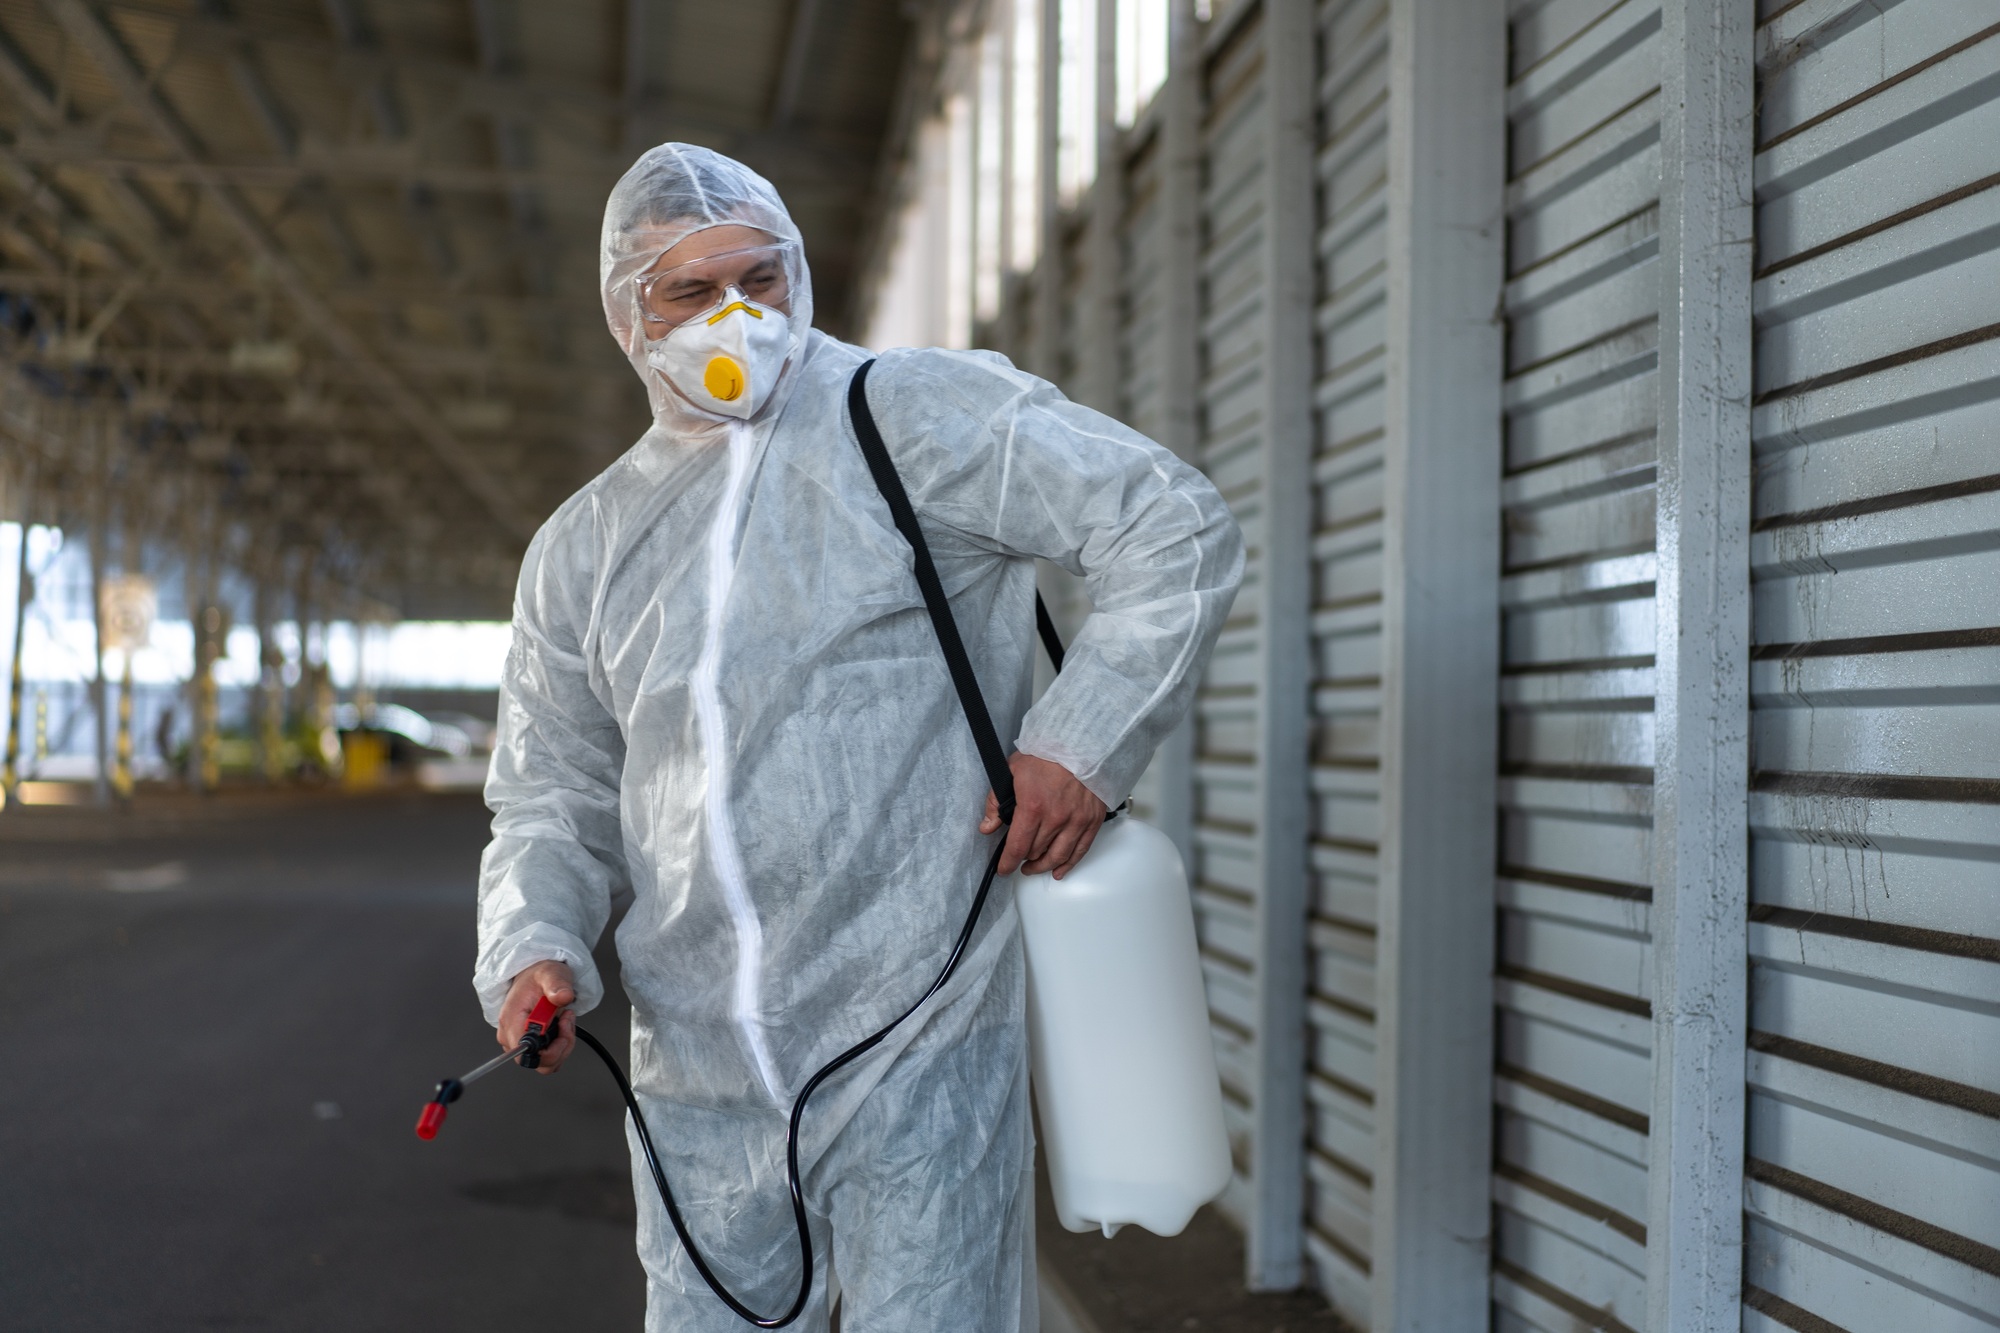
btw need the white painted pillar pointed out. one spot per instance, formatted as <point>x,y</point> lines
<point>1440,666</point>
<point>1694,1225</point>
<point>1048,265</point>
<point>1003,13</point>
<point>1097,323</point>
<point>1180,307</point>
<point>1282,599</point>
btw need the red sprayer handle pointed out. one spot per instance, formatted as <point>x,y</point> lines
<point>541,1031</point>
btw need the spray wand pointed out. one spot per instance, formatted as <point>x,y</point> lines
<point>541,1031</point>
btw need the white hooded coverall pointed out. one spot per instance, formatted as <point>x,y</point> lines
<point>725,700</point>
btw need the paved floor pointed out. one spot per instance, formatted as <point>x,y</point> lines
<point>1137,1282</point>
<point>222,1018</point>
<point>221,1021</point>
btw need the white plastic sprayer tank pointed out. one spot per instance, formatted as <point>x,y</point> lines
<point>1124,1067</point>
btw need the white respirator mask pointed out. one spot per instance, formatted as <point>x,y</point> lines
<point>726,361</point>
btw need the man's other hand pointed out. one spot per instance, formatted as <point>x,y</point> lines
<point>1056,818</point>
<point>556,981</point>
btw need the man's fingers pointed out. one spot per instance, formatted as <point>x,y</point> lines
<point>559,1049</point>
<point>1081,847</point>
<point>1056,855</point>
<point>1015,850</point>
<point>1044,832</point>
<point>1022,835</point>
<point>990,822</point>
<point>550,980</point>
<point>1055,821</point>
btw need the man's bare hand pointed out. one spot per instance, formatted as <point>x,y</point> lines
<point>1056,818</point>
<point>556,981</point>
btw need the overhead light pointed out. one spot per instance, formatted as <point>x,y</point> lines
<point>252,356</point>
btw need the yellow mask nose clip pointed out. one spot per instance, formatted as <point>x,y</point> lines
<point>732,308</point>
<point>724,379</point>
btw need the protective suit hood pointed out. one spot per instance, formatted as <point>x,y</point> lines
<point>670,193</point>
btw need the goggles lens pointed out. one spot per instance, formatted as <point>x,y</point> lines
<point>675,295</point>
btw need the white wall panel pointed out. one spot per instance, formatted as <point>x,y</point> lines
<point>1874,1148</point>
<point>1581,302</point>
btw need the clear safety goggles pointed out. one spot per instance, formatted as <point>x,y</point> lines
<point>672,296</point>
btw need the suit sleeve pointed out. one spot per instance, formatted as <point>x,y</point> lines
<point>1004,459</point>
<point>557,858</point>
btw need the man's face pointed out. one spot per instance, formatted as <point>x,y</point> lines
<point>690,278</point>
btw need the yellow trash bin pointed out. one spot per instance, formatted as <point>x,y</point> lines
<point>365,756</point>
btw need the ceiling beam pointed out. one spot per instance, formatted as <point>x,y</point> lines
<point>314,159</point>
<point>87,26</point>
<point>529,244</point>
<point>792,71</point>
<point>420,358</point>
<point>511,92</point>
<point>358,296</point>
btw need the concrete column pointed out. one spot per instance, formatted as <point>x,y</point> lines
<point>100,548</point>
<point>1048,268</point>
<point>1097,321</point>
<point>1180,310</point>
<point>1282,601</point>
<point>1694,1225</point>
<point>1440,666</point>
<point>10,768</point>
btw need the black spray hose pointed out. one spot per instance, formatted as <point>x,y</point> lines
<point>832,1067</point>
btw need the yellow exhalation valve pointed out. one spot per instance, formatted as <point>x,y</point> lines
<point>724,379</point>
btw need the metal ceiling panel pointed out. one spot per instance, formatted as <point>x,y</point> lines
<point>404,199</point>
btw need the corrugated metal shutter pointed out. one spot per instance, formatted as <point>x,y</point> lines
<point>1873,1190</point>
<point>1573,1034</point>
<point>1227,806</point>
<point>1347,642</point>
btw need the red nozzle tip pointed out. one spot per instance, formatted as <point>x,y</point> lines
<point>428,1122</point>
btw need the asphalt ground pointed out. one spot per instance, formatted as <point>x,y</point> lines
<point>221,1020</point>
<point>222,1017</point>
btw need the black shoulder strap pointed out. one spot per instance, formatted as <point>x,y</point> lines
<point>991,753</point>
<point>1051,641</point>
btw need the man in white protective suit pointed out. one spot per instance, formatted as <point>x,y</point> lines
<point>725,703</point>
